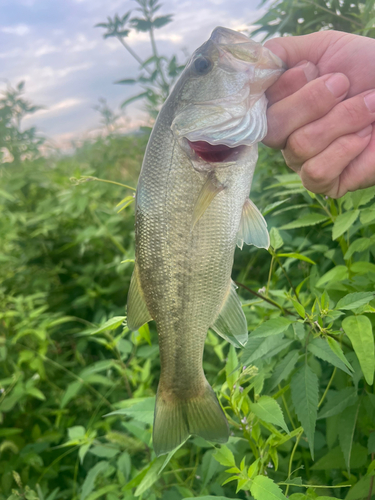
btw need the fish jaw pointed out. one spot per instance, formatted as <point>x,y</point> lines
<point>226,106</point>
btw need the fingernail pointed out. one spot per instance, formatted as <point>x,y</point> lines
<point>370,101</point>
<point>337,84</point>
<point>366,131</point>
<point>311,71</point>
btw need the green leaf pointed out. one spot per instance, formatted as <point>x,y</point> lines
<point>343,222</point>
<point>260,347</point>
<point>338,273</point>
<point>71,391</point>
<point>359,331</point>
<point>338,402</point>
<point>208,468</point>
<point>334,459</point>
<point>124,464</point>
<point>224,456</point>
<point>89,482</point>
<point>362,267</point>
<point>103,491</point>
<point>320,348</point>
<point>159,22</point>
<point>231,372</point>
<point>272,206</point>
<point>371,443</point>
<point>306,220</point>
<point>126,81</point>
<point>144,332</point>
<point>36,393</point>
<point>111,324</point>
<point>338,351</point>
<point>267,409</point>
<point>362,196</point>
<point>263,488</point>
<point>83,451</point>
<point>170,455</point>
<point>298,256</point>
<point>108,451</point>
<point>354,300</point>
<point>359,245</point>
<point>133,98</point>
<point>275,237</point>
<point>141,412</point>
<point>76,432</point>
<point>282,370</point>
<point>150,477</point>
<point>299,308</point>
<point>347,423</point>
<point>209,497</point>
<point>305,397</point>
<point>367,215</point>
<point>271,327</point>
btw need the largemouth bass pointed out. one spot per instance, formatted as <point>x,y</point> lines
<point>192,208</point>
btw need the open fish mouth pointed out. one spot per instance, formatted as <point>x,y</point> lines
<point>214,153</point>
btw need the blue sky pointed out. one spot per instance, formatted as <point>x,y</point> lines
<point>67,65</point>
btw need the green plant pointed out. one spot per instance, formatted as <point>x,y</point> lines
<point>157,73</point>
<point>77,388</point>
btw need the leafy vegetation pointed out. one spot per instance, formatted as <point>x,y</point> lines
<point>77,388</point>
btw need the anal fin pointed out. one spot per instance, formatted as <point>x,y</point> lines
<point>253,227</point>
<point>137,312</point>
<point>210,189</point>
<point>231,322</point>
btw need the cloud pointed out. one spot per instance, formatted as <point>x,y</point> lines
<point>57,108</point>
<point>18,29</point>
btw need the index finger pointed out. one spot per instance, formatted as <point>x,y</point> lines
<point>292,80</point>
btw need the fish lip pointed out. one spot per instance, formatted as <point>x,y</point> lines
<point>213,153</point>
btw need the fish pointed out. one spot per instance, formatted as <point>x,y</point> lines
<point>192,209</point>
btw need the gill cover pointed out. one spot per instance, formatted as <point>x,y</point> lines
<point>225,104</point>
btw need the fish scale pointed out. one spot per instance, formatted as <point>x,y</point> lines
<point>188,215</point>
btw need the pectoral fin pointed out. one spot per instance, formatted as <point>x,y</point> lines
<point>210,189</point>
<point>137,312</point>
<point>253,227</point>
<point>231,322</point>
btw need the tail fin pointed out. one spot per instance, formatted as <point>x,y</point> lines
<point>175,420</point>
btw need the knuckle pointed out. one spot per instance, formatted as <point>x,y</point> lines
<point>351,111</point>
<point>315,101</point>
<point>299,143</point>
<point>311,172</point>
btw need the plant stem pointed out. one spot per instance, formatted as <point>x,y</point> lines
<point>287,409</point>
<point>270,274</point>
<point>266,299</point>
<point>371,482</point>
<point>156,55</point>
<point>291,460</point>
<point>136,57</point>
<point>111,237</point>
<point>340,16</point>
<point>85,178</point>
<point>327,388</point>
<point>288,279</point>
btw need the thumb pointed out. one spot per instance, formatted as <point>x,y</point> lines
<point>294,49</point>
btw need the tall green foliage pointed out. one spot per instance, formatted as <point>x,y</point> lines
<point>77,388</point>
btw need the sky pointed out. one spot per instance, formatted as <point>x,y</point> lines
<point>67,65</point>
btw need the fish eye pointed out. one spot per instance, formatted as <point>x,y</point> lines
<point>202,65</point>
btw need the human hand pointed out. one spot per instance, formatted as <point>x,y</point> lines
<point>325,124</point>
